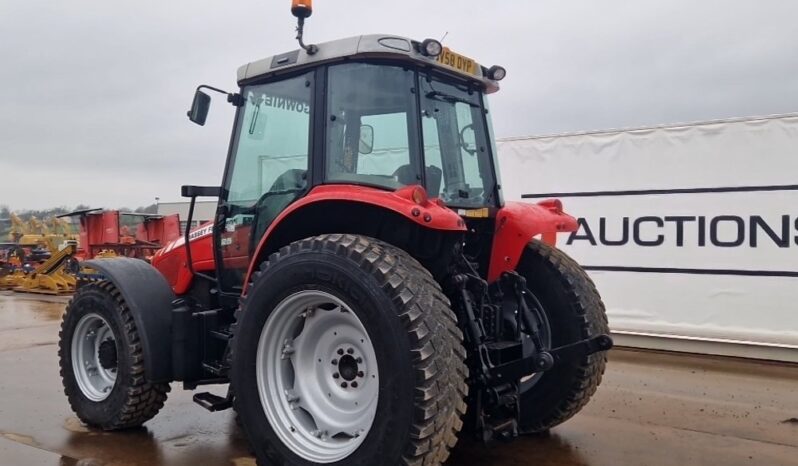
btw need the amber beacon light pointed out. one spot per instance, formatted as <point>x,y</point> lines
<point>302,8</point>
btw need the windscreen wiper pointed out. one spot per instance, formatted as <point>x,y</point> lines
<point>449,98</point>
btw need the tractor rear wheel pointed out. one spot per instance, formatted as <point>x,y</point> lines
<point>102,365</point>
<point>574,311</point>
<point>346,351</point>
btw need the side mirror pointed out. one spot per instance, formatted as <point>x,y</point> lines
<point>366,144</point>
<point>199,108</point>
<point>468,139</point>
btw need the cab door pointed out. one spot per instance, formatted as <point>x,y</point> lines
<point>267,170</point>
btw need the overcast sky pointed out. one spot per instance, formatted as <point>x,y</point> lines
<point>93,94</point>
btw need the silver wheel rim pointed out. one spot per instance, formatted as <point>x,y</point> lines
<point>95,381</point>
<point>324,415</point>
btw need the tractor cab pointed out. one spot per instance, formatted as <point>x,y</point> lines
<point>378,112</point>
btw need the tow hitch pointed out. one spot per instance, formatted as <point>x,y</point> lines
<point>545,360</point>
<point>509,331</point>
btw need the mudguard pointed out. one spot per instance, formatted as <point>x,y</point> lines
<point>149,298</point>
<point>517,223</point>
<point>429,213</point>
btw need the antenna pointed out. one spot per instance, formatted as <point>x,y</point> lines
<point>444,37</point>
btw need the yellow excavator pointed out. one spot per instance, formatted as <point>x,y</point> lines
<point>50,234</point>
<point>50,277</point>
<point>18,228</point>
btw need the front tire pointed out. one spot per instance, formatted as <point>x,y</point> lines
<point>101,361</point>
<point>347,352</point>
<point>574,311</point>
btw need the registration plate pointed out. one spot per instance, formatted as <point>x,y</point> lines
<point>457,61</point>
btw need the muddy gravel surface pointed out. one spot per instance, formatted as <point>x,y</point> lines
<point>652,409</point>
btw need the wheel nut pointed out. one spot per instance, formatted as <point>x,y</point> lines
<point>360,373</point>
<point>334,362</point>
<point>350,351</point>
<point>336,375</point>
<point>340,351</point>
<point>344,385</point>
<point>354,384</point>
<point>359,360</point>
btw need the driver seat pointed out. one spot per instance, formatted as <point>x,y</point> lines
<point>293,181</point>
<point>407,177</point>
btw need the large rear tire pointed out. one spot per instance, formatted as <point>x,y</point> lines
<point>575,311</point>
<point>347,352</point>
<point>102,364</point>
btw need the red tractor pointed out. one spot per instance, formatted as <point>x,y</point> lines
<point>364,289</point>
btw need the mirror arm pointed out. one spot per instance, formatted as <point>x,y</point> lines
<point>234,98</point>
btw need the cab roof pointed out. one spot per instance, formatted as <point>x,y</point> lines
<point>367,46</point>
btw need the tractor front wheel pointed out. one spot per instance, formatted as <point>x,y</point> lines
<point>347,352</point>
<point>102,365</point>
<point>574,311</point>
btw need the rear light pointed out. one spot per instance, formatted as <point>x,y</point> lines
<point>419,195</point>
<point>553,205</point>
<point>415,193</point>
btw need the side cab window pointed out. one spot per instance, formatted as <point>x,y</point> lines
<point>269,168</point>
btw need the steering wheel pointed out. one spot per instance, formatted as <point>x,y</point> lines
<point>268,194</point>
<point>463,143</point>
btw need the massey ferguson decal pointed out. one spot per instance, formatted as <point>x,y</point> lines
<point>204,231</point>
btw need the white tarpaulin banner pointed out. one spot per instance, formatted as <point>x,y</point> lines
<point>688,231</point>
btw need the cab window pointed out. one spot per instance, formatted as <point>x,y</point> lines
<point>369,126</point>
<point>456,144</point>
<point>268,170</point>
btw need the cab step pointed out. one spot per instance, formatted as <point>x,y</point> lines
<point>216,368</point>
<point>212,402</point>
<point>224,335</point>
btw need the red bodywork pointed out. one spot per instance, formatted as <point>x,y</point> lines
<point>171,260</point>
<point>428,213</point>
<point>516,225</point>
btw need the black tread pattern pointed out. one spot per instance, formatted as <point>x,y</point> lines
<point>143,400</point>
<point>592,318</point>
<point>431,325</point>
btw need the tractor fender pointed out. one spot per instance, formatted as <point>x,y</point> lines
<point>517,223</point>
<point>149,298</point>
<point>430,213</point>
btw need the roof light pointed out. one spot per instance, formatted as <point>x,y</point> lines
<point>431,48</point>
<point>496,73</point>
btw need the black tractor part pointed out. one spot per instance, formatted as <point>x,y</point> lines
<point>536,342</point>
<point>575,313</point>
